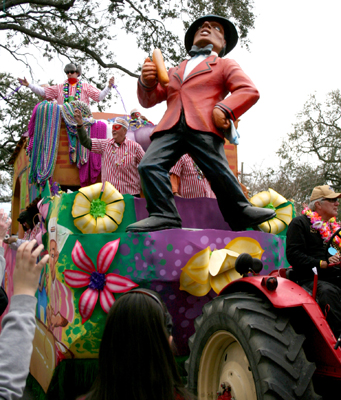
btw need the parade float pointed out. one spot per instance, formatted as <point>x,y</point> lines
<point>93,260</point>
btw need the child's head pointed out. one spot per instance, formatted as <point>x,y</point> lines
<point>135,358</point>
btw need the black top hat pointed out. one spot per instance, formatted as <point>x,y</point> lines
<point>230,32</point>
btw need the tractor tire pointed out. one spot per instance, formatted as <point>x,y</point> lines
<point>246,347</point>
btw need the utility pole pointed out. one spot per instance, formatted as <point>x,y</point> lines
<point>242,173</point>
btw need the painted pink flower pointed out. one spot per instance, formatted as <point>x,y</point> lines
<point>98,282</point>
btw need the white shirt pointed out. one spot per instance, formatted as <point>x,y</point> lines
<point>196,60</point>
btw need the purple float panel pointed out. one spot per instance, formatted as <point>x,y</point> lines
<point>203,213</point>
<point>142,136</point>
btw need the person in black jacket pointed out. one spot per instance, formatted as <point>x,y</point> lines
<point>307,238</point>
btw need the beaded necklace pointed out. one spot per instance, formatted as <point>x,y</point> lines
<point>45,142</point>
<point>200,175</point>
<point>117,163</point>
<point>66,91</point>
<point>325,228</point>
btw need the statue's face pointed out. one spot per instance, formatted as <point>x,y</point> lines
<point>210,32</point>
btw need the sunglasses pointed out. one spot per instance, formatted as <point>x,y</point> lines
<point>331,200</point>
<point>70,72</point>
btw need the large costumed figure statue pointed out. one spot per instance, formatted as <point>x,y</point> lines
<point>197,117</point>
<point>72,89</point>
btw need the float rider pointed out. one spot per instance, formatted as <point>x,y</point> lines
<point>198,113</point>
<point>120,156</point>
<point>72,89</point>
<point>307,238</point>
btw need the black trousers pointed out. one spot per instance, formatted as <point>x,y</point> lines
<point>329,294</point>
<point>207,150</point>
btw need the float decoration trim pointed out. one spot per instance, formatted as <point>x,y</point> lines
<point>208,270</point>
<point>97,212</point>
<point>99,284</point>
<point>275,201</point>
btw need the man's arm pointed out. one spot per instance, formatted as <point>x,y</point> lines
<point>84,138</point>
<point>297,249</point>
<point>243,91</point>
<point>175,174</point>
<point>81,132</point>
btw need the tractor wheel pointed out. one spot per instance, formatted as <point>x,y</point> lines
<point>245,349</point>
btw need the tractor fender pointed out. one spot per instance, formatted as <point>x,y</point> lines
<point>289,294</point>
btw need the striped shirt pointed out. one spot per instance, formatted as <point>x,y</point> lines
<point>192,180</point>
<point>119,163</point>
<point>56,92</point>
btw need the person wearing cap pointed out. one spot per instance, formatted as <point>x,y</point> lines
<point>137,121</point>
<point>197,117</point>
<point>306,248</point>
<point>72,89</point>
<point>120,156</point>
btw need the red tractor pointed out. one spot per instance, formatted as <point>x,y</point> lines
<point>264,337</point>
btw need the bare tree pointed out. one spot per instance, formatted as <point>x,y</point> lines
<point>318,134</point>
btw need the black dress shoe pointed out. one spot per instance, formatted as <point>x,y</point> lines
<point>251,217</point>
<point>152,223</point>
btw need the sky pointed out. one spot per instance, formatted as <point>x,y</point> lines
<point>294,52</point>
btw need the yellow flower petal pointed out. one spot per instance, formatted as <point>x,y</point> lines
<point>110,193</point>
<point>261,199</point>
<point>189,285</point>
<point>276,198</point>
<point>86,224</point>
<point>245,245</point>
<point>92,192</point>
<point>105,225</point>
<point>221,261</point>
<point>220,281</point>
<point>274,226</point>
<point>265,227</point>
<point>115,211</point>
<point>285,214</point>
<point>197,266</point>
<point>81,206</point>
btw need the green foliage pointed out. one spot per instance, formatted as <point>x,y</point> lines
<point>84,31</point>
<point>15,113</point>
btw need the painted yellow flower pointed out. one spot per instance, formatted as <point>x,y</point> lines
<point>208,270</point>
<point>97,212</point>
<point>273,200</point>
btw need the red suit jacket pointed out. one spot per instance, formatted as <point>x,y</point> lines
<point>205,87</point>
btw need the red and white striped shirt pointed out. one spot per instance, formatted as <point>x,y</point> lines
<point>192,180</point>
<point>56,92</point>
<point>119,163</point>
